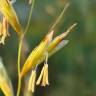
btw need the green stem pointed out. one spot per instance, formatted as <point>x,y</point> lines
<point>19,56</point>
<point>20,47</point>
<point>19,87</point>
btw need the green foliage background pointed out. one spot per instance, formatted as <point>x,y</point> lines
<point>72,71</point>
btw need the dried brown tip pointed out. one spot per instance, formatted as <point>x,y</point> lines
<point>49,36</point>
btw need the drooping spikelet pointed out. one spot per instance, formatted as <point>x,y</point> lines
<point>36,54</point>
<point>8,11</point>
<point>3,30</point>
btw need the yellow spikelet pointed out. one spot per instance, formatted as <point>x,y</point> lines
<point>5,87</point>
<point>57,43</point>
<point>59,38</point>
<point>36,54</point>
<point>5,82</point>
<point>7,10</point>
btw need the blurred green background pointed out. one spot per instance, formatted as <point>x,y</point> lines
<point>72,71</point>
